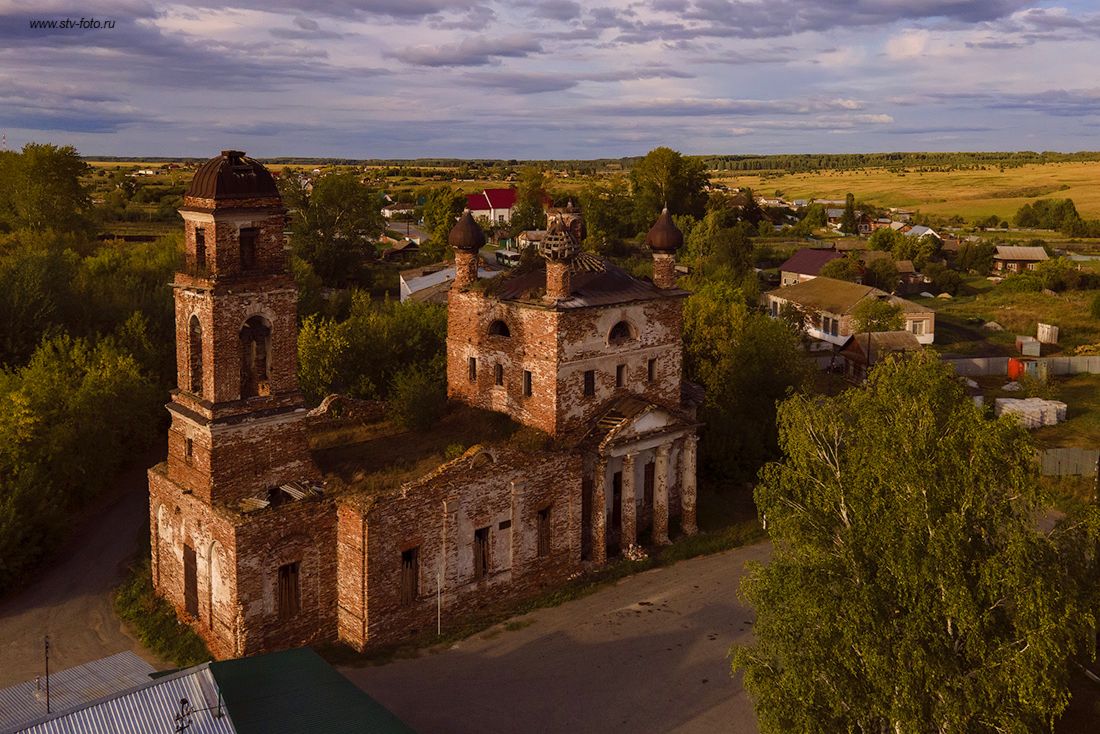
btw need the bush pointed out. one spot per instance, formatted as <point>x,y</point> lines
<point>418,396</point>
<point>944,280</point>
<point>154,622</point>
<point>1095,308</point>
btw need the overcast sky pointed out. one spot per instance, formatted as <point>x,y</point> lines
<point>552,78</point>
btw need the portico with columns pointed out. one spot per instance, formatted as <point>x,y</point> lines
<point>643,478</point>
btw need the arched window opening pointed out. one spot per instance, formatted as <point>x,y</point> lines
<point>255,357</point>
<point>621,333</point>
<point>499,328</point>
<point>195,354</point>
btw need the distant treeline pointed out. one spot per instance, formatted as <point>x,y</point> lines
<point>846,161</point>
<point>796,163</point>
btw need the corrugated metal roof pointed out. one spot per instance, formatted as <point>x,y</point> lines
<point>1016,252</point>
<point>72,687</point>
<point>149,709</point>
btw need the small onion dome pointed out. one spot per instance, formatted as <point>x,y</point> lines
<point>232,175</point>
<point>559,243</point>
<point>664,236</point>
<point>467,234</point>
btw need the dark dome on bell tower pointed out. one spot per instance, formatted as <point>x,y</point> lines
<point>232,175</point>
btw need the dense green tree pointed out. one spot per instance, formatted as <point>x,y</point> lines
<point>68,420</point>
<point>911,588</point>
<point>944,280</point>
<point>746,362</point>
<point>418,395</point>
<point>843,268</point>
<point>848,223</point>
<point>607,208</point>
<point>976,256</point>
<point>442,205</point>
<point>40,189</point>
<point>361,355</point>
<point>885,239</point>
<point>334,227</point>
<point>877,314</point>
<point>666,178</point>
<point>36,290</point>
<point>532,191</point>
<point>814,217</point>
<point>882,273</point>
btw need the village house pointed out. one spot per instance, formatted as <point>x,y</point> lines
<point>827,305</point>
<point>1015,259</point>
<point>806,264</point>
<point>571,432</point>
<point>493,205</point>
<point>863,351</point>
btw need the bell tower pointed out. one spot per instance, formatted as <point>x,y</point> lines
<point>236,410</point>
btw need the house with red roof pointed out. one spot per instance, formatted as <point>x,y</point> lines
<point>806,264</point>
<point>494,205</point>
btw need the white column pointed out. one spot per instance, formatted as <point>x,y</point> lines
<point>630,505</point>
<point>660,496</point>
<point>599,512</point>
<point>687,487</point>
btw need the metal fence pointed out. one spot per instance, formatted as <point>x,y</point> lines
<point>1052,366</point>
<point>1067,462</point>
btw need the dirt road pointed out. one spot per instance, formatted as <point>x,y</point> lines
<point>71,602</point>
<point>646,655</point>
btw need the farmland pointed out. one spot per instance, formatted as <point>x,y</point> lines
<point>971,194</point>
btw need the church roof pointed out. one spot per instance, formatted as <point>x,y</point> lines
<point>232,175</point>
<point>595,282</point>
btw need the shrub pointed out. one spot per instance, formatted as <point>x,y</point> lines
<point>418,396</point>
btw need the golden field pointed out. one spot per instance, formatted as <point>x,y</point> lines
<point>970,194</point>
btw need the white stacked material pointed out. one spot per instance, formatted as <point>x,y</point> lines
<point>1048,334</point>
<point>1032,412</point>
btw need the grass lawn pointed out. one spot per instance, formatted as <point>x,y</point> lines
<point>959,320</point>
<point>1081,393</point>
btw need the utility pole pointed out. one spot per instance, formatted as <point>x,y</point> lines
<point>48,674</point>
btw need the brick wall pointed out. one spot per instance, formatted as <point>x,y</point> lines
<point>501,488</point>
<point>557,347</point>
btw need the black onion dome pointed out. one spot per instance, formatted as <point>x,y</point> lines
<point>232,175</point>
<point>664,235</point>
<point>467,234</point>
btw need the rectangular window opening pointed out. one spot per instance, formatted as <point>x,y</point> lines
<point>620,375</point>
<point>544,532</point>
<point>651,370</point>
<point>481,553</point>
<point>248,237</point>
<point>290,591</point>
<point>189,447</point>
<point>590,382</point>
<point>498,374</point>
<point>472,364</point>
<point>200,248</point>
<point>410,576</point>
<point>526,383</point>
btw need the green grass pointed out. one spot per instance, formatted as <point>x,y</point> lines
<point>153,620</point>
<point>959,320</point>
<point>1081,394</point>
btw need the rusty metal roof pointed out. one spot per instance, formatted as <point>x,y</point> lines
<point>596,282</point>
<point>232,175</point>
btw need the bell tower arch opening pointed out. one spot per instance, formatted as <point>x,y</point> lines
<point>255,340</point>
<point>194,349</point>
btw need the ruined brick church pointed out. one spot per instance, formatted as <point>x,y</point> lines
<point>258,548</point>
